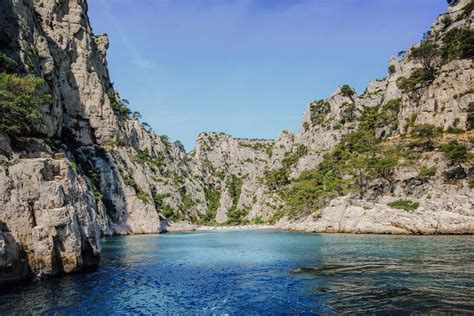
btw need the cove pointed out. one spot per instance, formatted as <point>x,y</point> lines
<point>262,272</point>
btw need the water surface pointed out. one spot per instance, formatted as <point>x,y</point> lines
<point>262,272</point>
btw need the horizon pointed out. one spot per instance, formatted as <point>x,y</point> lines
<point>248,68</point>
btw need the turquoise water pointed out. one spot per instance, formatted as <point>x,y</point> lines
<point>262,272</point>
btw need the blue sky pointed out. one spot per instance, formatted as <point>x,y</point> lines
<point>249,67</point>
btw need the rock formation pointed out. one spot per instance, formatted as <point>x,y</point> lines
<point>89,168</point>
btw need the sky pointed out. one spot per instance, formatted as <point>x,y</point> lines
<point>248,68</point>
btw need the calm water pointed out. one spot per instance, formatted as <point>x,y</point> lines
<point>262,272</point>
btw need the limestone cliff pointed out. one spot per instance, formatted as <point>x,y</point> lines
<point>86,168</point>
<point>408,183</point>
<point>89,168</point>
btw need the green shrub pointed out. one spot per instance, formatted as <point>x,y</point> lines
<point>237,216</point>
<point>471,184</point>
<point>319,110</point>
<point>457,43</point>
<point>350,166</point>
<point>404,205</point>
<point>426,52</point>
<point>142,155</point>
<point>292,158</point>
<point>454,130</point>
<point>348,112</point>
<point>213,198</point>
<point>120,106</point>
<point>129,181</point>
<point>447,21</point>
<point>143,196</point>
<point>418,78</point>
<point>257,220</point>
<point>392,106</point>
<point>169,213</point>
<point>234,185</point>
<point>277,178</point>
<point>454,151</point>
<point>7,64</point>
<point>186,202</point>
<point>163,207</point>
<point>426,172</point>
<point>305,126</point>
<point>20,100</point>
<point>347,91</point>
<point>424,135</point>
<point>165,139</point>
<point>391,69</point>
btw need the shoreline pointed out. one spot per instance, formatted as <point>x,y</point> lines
<point>183,227</point>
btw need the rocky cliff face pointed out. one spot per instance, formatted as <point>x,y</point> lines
<point>423,105</point>
<point>396,159</point>
<point>88,169</point>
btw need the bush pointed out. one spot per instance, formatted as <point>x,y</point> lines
<point>352,164</point>
<point>418,78</point>
<point>426,53</point>
<point>458,43</point>
<point>7,64</point>
<point>391,69</point>
<point>277,178</point>
<point>257,220</point>
<point>120,106</point>
<point>213,198</point>
<point>454,151</point>
<point>143,196</point>
<point>292,159</point>
<point>454,130</point>
<point>404,205</point>
<point>424,135</point>
<point>20,101</point>
<point>234,185</point>
<point>186,202</point>
<point>347,91</point>
<point>165,139</point>
<point>447,21</point>
<point>305,126</point>
<point>319,110</point>
<point>237,217</point>
<point>392,106</point>
<point>426,172</point>
<point>348,112</point>
<point>163,207</point>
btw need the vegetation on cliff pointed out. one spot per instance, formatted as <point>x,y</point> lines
<point>21,98</point>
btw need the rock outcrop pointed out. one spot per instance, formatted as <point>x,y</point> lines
<point>91,168</point>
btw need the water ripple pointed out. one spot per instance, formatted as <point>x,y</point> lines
<point>262,272</point>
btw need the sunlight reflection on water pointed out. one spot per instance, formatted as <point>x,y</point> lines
<point>262,272</point>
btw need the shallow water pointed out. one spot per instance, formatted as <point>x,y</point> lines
<point>262,272</point>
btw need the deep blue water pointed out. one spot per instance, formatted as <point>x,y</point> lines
<point>262,272</point>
